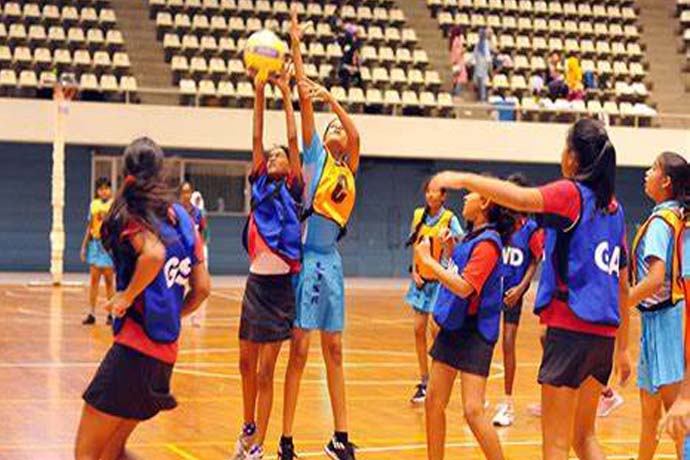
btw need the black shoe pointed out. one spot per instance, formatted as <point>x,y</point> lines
<point>89,320</point>
<point>286,452</point>
<point>420,394</point>
<point>339,451</point>
<point>109,320</point>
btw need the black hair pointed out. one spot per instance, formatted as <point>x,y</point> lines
<point>186,183</point>
<point>519,178</point>
<point>102,182</point>
<point>412,239</point>
<point>145,196</point>
<point>677,169</point>
<point>596,156</point>
<point>503,219</point>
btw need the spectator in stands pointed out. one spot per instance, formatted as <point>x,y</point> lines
<point>536,85</point>
<point>590,81</point>
<point>456,43</point>
<point>573,78</point>
<point>482,64</point>
<point>555,80</point>
<point>349,71</point>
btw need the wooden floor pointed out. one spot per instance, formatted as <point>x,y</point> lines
<point>47,358</point>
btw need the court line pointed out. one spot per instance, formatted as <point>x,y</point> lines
<point>181,452</point>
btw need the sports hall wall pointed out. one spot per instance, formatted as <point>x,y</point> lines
<point>388,191</point>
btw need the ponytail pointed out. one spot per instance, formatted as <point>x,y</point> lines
<point>412,239</point>
<point>589,141</point>
<point>678,170</point>
<point>145,196</point>
<point>504,221</point>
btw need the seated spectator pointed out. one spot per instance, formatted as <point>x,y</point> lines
<point>590,82</point>
<point>573,79</point>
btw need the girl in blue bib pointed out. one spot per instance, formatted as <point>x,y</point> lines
<point>468,312</point>
<point>583,290</point>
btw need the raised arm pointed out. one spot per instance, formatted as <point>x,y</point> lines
<point>501,192</point>
<point>316,91</point>
<point>258,139</point>
<point>283,83</point>
<point>306,107</point>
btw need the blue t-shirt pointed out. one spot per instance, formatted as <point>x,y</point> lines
<point>657,242</point>
<point>319,234</point>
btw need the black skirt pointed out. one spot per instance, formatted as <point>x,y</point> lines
<point>130,384</point>
<point>464,350</point>
<point>268,308</point>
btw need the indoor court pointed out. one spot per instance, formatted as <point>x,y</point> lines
<point>47,359</point>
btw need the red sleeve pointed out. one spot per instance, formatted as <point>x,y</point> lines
<point>131,228</point>
<point>536,243</point>
<point>562,204</point>
<point>482,262</point>
<point>202,223</point>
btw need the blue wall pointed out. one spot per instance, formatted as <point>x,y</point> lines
<point>388,191</point>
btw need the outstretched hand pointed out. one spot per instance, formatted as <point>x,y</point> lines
<point>315,91</point>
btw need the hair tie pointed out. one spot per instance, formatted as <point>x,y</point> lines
<point>130,180</point>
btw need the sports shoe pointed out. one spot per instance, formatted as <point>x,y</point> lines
<point>89,320</point>
<point>244,442</point>
<point>109,320</point>
<point>255,453</point>
<point>338,451</point>
<point>505,415</point>
<point>420,394</point>
<point>534,409</point>
<point>609,404</point>
<point>286,452</point>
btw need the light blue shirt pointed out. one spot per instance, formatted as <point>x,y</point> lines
<point>454,224</point>
<point>319,234</point>
<point>658,243</point>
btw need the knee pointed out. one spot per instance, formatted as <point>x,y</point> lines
<point>420,330</point>
<point>335,353</point>
<point>473,411</point>
<point>299,355</point>
<point>265,377</point>
<point>652,414</point>
<point>82,453</point>
<point>433,403</point>
<point>246,365</point>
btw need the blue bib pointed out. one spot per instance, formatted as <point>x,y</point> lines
<point>517,255</point>
<point>587,260</point>
<point>450,310</point>
<point>277,217</point>
<point>162,299</point>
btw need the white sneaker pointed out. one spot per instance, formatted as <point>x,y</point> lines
<point>505,415</point>
<point>255,453</point>
<point>244,442</point>
<point>608,405</point>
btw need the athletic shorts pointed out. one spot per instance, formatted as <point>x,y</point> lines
<point>661,349</point>
<point>268,308</point>
<point>320,292</point>
<point>512,315</point>
<point>97,256</point>
<point>571,357</point>
<point>130,384</point>
<point>423,299</point>
<point>464,350</point>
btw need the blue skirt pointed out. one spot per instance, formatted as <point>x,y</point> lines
<point>422,300</point>
<point>662,359</point>
<point>96,255</point>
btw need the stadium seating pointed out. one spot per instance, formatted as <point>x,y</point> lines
<point>39,39</point>
<point>203,41</point>
<point>603,34</point>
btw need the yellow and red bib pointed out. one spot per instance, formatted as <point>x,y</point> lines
<point>432,232</point>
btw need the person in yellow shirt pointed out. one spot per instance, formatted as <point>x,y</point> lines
<point>92,251</point>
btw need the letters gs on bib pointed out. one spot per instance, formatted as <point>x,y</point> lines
<point>177,271</point>
<point>607,259</point>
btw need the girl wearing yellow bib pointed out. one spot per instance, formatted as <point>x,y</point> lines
<point>92,251</point>
<point>328,169</point>
<point>436,222</point>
